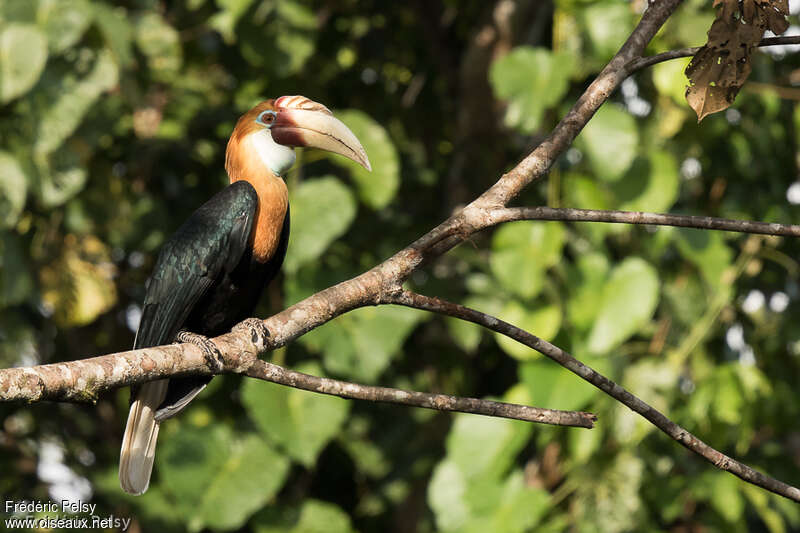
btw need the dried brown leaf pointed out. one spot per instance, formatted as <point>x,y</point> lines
<point>722,65</point>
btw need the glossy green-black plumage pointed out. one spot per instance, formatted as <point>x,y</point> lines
<point>205,279</point>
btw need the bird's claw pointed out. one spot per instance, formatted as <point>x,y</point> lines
<point>211,353</point>
<point>258,331</point>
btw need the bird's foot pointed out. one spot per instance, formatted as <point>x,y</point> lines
<point>258,331</point>
<point>212,355</point>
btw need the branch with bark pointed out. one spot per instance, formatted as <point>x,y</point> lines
<point>83,380</point>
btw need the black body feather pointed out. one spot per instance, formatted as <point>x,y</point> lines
<point>205,280</point>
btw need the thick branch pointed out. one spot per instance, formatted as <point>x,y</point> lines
<point>684,437</point>
<point>82,381</point>
<point>508,214</point>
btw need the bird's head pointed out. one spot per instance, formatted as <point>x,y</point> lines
<point>265,137</point>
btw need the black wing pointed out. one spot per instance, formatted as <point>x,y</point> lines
<point>208,245</point>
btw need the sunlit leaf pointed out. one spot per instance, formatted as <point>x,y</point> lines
<point>531,80</point>
<point>611,140</point>
<point>708,251</point>
<point>521,253</point>
<point>629,299</point>
<point>322,210</point>
<point>376,188</point>
<point>23,54</point>
<point>64,22</point>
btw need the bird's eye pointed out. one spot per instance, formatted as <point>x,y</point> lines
<point>266,118</point>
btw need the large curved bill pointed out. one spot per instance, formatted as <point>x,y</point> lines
<point>317,128</point>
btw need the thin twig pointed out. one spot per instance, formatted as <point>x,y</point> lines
<point>508,214</point>
<point>441,402</point>
<point>649,61</point>
<point>684,437</point>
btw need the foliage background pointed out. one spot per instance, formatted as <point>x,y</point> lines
<point>113,123</point>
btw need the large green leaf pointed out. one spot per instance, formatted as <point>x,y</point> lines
<point>629,299</point>
<point>218,479</point>
<point>608,25</point>
<point>552,386</point>
<point>376,188</point>
<point>611,140</point>
<point>522,251</point>
<point>708,251</point>
<point>471,489</point>
<point>61,117</point>
<point>300,422</point>
<point>13,188</point>
<point>64,22</point>
<point>322,210</point>
<point>23,54</point>
<point>531,80</point>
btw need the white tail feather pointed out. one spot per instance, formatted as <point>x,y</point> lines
<point>139,443</point>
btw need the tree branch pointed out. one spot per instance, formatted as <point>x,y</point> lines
<point>82,381</point>
<point>649,61</point>
<point>442,402</point>
<point>508,214</point>
<point>676,432</point>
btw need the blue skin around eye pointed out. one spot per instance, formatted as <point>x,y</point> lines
<point>260,119</point>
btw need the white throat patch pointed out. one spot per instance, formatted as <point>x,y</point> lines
<point>278,158</point>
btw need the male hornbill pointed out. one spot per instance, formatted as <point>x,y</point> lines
<point>210,273</point>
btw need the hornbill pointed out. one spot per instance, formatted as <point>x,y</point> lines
<point>210,273</point>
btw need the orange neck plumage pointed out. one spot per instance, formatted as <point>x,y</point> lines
<point>243,162</point>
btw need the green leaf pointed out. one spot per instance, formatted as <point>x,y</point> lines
<point>361,343</point>
<point>64,22</point>
<point>300,422</point>
<point>629,299</point>
<point>726,498</point>
<point>61,177</point>
<point>611,140</point>
<point>160,43</point>
<point>376,188</point>
<point>607,24</point>
<point>322,210</point>
<point>544,321</point>
<point>522,251</point>
<point>218,479</point>
<point>585,285</point>
<point>116,30</point>
<point>708,251</point>
<point>23,54</point>
<point>531,80</point>
<point>670,80</point>
<point>554,387</point>
<point>60,119</point>
<point>485,446</point>
<point>13,188</point>
<point>650,185</point>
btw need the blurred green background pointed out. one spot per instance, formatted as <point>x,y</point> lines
<point>113,124</point>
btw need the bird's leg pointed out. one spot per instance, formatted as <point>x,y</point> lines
<point>211,353</point>
<point>258,331</point>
